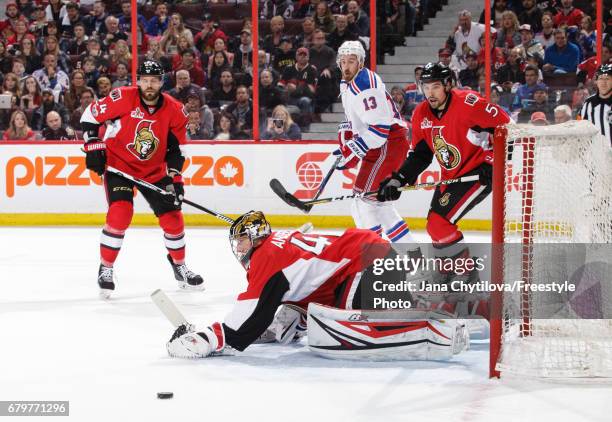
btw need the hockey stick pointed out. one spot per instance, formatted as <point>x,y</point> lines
<point>291,200</point>
<point>303,205</point>
<point>166,193</point>
<point>168,308</point>
<point>304,228</point>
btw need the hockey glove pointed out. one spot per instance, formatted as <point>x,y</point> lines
<point>352,152</point>
<point>485,174</point>
<point>95,158</point>
<point>345,132</point>
<point>388,190</point>
<point>187,342</point>
<point>177,188</point>
<point>348,160</point>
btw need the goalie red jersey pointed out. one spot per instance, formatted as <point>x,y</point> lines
<point>136,135</point>
<point>291,267</point>
<point>459,138</point>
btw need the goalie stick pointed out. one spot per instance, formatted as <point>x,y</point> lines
<point>291,200</point>
<point>168,308</point>
<point>305,206</point>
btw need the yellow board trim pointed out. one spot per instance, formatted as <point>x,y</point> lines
<point>319,221</point>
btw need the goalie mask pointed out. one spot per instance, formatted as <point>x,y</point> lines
<point>245,234</point>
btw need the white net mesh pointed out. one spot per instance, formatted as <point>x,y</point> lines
<point>557,219</point>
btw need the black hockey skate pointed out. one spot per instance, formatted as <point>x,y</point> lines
<point>106,281</point>
<point>187,279</point>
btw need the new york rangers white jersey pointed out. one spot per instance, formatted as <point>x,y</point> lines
<point>369,109</point>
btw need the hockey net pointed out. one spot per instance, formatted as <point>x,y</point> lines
<point>552,220</point>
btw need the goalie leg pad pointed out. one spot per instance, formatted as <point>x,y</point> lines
<point>384,335</point>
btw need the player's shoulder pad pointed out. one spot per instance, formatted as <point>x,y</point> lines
<point>175,103</point>
<point>118,93</point>
<point>364,80</point>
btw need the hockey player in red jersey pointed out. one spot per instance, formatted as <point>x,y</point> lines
<point>143,137</point>
<point>454,126</point>
<point>288,267</point>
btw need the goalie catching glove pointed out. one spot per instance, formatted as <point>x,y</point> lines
<point>188,343</point>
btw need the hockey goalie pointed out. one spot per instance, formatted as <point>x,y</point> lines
<point>334,278</point>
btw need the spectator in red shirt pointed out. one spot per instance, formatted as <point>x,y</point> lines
<point>183,43</point>
<point>205,39</point>
<point>195,72</point>
<point>586,69</point>
<point>12,16</point>
<point>497,54</point>
<point>568,15</point>
<point>18,129</point>
<point>21,32</point>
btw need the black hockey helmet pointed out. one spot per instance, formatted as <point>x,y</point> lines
<point>604,69</point>
<point>436,72</point>
<point>253,226</point>
<point>150,68</point>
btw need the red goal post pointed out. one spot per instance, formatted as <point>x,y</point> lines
<point>552,187</point>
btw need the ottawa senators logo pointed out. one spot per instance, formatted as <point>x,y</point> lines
<point>448,155</point>
<point>444,199</point>
<point>145,143</point>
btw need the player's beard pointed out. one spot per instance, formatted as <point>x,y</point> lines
<point>437,104</point>
<point>347,76</point>
<point>434,103</point>
<point>150,95</point>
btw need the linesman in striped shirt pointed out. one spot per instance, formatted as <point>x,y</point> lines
<point>597,108</point>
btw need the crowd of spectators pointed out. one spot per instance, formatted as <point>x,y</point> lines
<point>57,57</point>
<point>543,57</point>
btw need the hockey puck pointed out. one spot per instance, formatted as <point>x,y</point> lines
<point>165,395</point>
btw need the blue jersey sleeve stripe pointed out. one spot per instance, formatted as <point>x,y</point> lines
<point>381,127</point>
<point>377,133</point>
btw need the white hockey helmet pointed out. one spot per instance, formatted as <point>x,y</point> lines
<point>351,47</point>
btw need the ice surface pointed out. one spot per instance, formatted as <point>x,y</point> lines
<point>60,342</point>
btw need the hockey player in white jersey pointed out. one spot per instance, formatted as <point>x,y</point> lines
<point>373,136</point>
